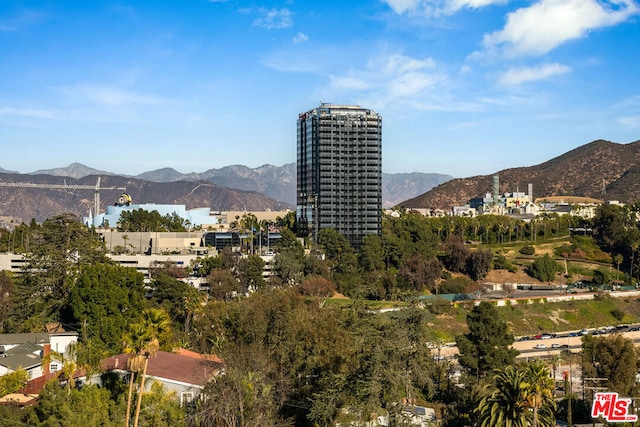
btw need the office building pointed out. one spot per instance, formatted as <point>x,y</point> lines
<point>340,171</point>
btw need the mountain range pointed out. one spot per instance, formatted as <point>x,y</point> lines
<point>601,169</point>
<point>234,187</point>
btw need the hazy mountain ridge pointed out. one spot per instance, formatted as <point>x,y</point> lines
<point>277,182</point>
<point>600,169</point>
<point>74,170</point>
<point>19,204</point>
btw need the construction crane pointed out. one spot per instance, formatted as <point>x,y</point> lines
<point>65,186</point>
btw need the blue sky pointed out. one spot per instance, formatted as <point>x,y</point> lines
<point>465,87</point>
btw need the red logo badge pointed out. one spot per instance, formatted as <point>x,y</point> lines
<point>612,408</point>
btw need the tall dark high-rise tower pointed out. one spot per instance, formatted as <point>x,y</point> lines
<point>340,171</point>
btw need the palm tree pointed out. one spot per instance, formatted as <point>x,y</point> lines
<point>617,258</point>
<point>134,341</point>
<point>155,322</point>
<point>555,363</point>
<point>518,398</point>
<point>505,404</point>
<point>538,393</point>
<point>68,362</point>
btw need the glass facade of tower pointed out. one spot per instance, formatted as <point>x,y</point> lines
<point>339,172</point>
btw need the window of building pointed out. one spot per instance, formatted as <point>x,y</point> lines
<point>186,397</point>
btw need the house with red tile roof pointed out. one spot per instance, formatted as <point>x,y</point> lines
<point>184,371</point>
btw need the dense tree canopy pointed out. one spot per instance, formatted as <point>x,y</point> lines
<point>487,346</point>
<point>614,358</point>
<point>60,249</point>
<point>293,357</point>
<point>136,220</point>
<point>106,299</point>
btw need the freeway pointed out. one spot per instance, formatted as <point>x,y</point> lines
<point>533,348</point>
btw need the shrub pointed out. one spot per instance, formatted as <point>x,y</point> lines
<point>455,285</point>
<point>500,262</point>
<point>617,313</point>
<point>544,268</point>
<point>527,250</point>
<point>439,306</point>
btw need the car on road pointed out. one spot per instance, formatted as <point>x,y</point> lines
<point>555,345</point>
<point>540,346</point>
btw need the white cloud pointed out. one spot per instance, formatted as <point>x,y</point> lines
<point>543,26</point>
<point>300,38</point>
<point>402,6</point>
<point>27,112</point>
<point>455,5</point>
<point>274,19</point>
<point>518,75</point>
<point>630,107</point>
<point>437,7</point>
<point>630,121</point>
<point>396,80</point>
<point>112,96</point>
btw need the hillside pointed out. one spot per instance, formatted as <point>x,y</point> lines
<point>600,170</point>
<point>275,182</point>
<point>22,204</point>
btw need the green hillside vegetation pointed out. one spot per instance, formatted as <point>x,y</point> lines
<point>334,335</point>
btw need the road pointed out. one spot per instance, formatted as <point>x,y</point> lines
<point>527,347</point>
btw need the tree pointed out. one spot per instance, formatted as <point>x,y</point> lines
<point>250,271</point>
<point>504,405</point>
<point>68,362</point>
<point>544,268</point>
<point>106,298</point>
<point>59,251</point>
<point>614,358</point>
<point>138,220</point>
<point>160,408</point>
<point>421,273</point>
<point>13,381</point>
<point>223,285</point>
<point>90,406</point>
<point>249,394</point>
<point>288,263</point>
<point>158,325</point>
<point>455,253</point>
<point>487,346</point>
<point>343,262</point>
<point>372,253</point>
<point>478,263</point>
<point>338,249</point>
<point>518,397</point>
<point>601,277</point>
<point>179,299</point>
<point>7,291</point>
<point>538,393</point>
<point>135,339</point>
<point>609,225</point>
<point>617,259</point>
